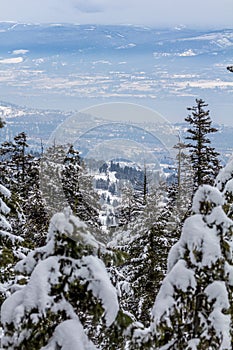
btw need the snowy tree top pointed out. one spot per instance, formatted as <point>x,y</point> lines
<point>206,194</point>
<point>201,242</point>
<point>72,226</point>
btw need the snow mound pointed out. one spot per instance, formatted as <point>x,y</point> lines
<point>206,194</point>
<point>69,335</point>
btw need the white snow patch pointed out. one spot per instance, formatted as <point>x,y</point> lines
<point>193,344</point>
<point>198,237</point>
<point>9,235</point>
<point>224,175</point>
<point>126,46</point>
<point>4,209</point>
<point>69,335</point>
<point>72,226</point>
<point>219,218</point>
<point>179,277</point>
<point>206,193</point>
<point>20,52</point>
<point>187,53</point>
<point>11,60</point>
<point>34,294</point>
<point>229,273</point>
<point>93,270</point>
<point>6,193</point>
<point>229,187</point>
<point>217,293</point>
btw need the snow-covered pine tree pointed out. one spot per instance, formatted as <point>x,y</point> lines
<point>68,291</point>
<point>65,179</point>
<point>224,183</point>
<point>51,168</point>
<point>193,307</point>
<point>204,158</point>
<point>131,205</point>
<point>182,191</point>
<point>8,245</point>
<point>78,188</point>
<point>146,243</point>
<point>20,174</point>
<point>33,206</point>
<point>15,161</point>
<point>6,164</point>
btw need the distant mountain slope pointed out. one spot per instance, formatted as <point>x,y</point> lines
<point>70,67</point>
<point>62,38</point>
<point>39,125</point>
<point>74,66</point>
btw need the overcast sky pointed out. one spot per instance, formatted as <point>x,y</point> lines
<point>193,13</point>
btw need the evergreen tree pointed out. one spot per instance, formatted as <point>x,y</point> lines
<point>10,241</point>
<point>51,169</point>
<point>7,166</point>
<point>2,123</point>
<point>145,242</point>
<point>64,179</point>
<point>224,183</point>
<point>204,158</point>
<point>180,192</point>
<point>193,308</point>
<point>15,161</point>
<point>68,291</point>
<point>148,249</point>
<point>33,206</point>
<point>78,188</point>
<point>20,174</point>
<point>9,246</point>
<point>131,205</point>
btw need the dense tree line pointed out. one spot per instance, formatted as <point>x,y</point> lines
<point>161,280</point>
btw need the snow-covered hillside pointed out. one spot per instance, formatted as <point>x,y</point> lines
<point>73,66</point>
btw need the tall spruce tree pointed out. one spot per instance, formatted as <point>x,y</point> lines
<point>20,174</point>
<point>180,192</point>
<point>78,188</point>
<point>132,204</point>
<point>204,158</point>
<point>64,179</point>
<point>145,243</point>
<point>9,245</point>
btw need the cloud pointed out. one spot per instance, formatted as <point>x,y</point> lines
<point>171,12</point>
<point>89,6</point>
<point>215,13</point>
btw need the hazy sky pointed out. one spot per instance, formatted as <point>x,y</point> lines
<point>202,13</point>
